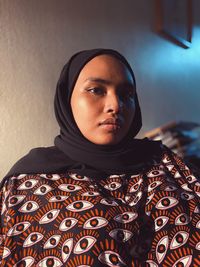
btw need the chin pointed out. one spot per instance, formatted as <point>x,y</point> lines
<point>107,141</point>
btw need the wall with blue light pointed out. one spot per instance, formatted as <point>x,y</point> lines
<point>169,81</point>
<point>168,76</point>
<point>37,38</point>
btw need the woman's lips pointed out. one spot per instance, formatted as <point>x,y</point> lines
<point>111,124</point>
<point>110,127</point>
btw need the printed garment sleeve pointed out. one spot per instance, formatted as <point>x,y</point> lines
<point>4,194</point>
<point>175,215</point>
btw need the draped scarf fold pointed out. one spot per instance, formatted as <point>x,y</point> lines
<point>72,151</point>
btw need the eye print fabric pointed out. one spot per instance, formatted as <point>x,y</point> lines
<point>146,219</point>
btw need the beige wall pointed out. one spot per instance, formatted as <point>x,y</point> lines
<point>38,36</point>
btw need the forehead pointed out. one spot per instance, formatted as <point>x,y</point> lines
<point>106,66</point>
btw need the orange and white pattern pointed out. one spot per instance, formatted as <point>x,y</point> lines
<point>147,219</point>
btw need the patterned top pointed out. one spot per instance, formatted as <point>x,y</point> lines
<point>148,219</point>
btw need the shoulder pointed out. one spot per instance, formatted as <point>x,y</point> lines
<point>24,165</point>
<point>170,160</point>
<point>37,160</point>
<point>183,171</point>
<point>41,160</point>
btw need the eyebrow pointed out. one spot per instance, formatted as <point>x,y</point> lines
<point>98,80</point>
<point>107,82</point>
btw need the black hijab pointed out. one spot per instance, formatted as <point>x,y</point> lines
<point>72,151</point>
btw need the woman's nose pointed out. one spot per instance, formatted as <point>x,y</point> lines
<point>114,104</point>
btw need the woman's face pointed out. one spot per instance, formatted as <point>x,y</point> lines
<point>102,101</point>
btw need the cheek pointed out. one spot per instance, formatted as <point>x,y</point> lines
<point>130,110</point>
<point>85,113</point>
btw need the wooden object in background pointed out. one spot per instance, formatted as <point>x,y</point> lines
<point>174,21</point>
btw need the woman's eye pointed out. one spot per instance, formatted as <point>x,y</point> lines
<point>126,94</point>
<point>96,91</point>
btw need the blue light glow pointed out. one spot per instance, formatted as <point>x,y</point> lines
<point>170,58</point>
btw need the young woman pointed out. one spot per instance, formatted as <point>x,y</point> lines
<point>99,197</point>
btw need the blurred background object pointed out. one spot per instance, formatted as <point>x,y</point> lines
<point>182,137</point>
<point>174,21</point>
